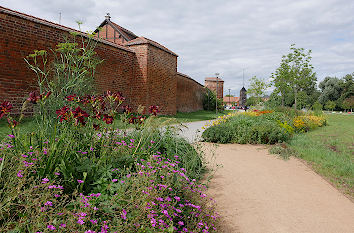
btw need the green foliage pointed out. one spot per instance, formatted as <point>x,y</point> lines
<point>209,101</point>
<point>71,71</point>
<point>331,89</point>
<point>295,74</point>
<point>317,108</point>
<point>348,103</point>
<point>257,89</point>
<point>330,105</point>
<point>247,129</point>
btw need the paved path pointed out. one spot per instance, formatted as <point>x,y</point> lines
<point>193,131</point>
<point>258,192</point>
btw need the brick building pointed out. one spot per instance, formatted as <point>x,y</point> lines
<point>142,69</point>
<point>216,85</point>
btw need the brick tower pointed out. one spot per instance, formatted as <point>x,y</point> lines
<point>216,85</point>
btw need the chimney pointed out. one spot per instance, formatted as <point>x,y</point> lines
<point>108,17</point>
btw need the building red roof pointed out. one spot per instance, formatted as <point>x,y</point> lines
<point>231,99</point>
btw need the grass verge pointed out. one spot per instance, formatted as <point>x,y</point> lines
<point>182,117</point>
<point>330,151</point>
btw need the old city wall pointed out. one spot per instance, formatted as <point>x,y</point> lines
<point>144,73</point>
<point>190,94</point>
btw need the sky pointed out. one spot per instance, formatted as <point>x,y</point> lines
<point>228,37</point>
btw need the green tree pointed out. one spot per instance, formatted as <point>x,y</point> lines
<point>294,74</point>
<point>229,96</point>
<point>348,103</point>
<point>302,99</point>
<point>257,89</point>
<point>331,89</point>
<point>330,105</point>
<point>209,101</point>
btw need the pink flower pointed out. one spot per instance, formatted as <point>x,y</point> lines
<point>114,180</point>
<point>51,227</point>
<point>49,203</point>
<point>19,173</point>
<point>57,173</point>
<point>11,136</point>
<point>63,225</point>
<point>124,214</point>
<point>45,180</point>
<point>80,221</point>
<point>80,181</point>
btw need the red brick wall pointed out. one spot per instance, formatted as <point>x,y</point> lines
<point>20,37</point>
<point>189,95</point>
<point>146,72</point>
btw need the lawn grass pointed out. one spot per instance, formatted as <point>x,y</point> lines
<point>183,117</point>
<point>330,151</point>
<point>29,125</point>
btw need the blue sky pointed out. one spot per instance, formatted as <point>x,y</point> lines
<point>223,36</point>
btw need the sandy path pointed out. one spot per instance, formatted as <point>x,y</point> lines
<point>258,192</point>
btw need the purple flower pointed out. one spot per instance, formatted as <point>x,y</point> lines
<point>80,221</point>
<point>45,180</point>
<point>63,225</point>
<point>57,173</point>
<point>1,159</point>
<point>124,214</point>
<point>180,223</point>
<point>114,180</point>
<point>19,173</point>
<point>49,203</point>
<point>80,181</point>
<point>93,221</point>
<point>51,227</point>
<point>11,136</point>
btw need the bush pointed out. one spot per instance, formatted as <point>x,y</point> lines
<point>247,129</point>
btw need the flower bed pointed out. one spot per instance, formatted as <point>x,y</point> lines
<point>77,174</point>
<point>260,127</point>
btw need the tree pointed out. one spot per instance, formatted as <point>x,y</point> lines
<point>229,96</point>
<point>348,103</point>
<point>209,101</point>
<point>330,105</point>
<point>257,89</point>
<point>294,74</point>
<point>331,89</point>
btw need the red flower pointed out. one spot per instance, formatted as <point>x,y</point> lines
<point>136,120</point>
<point>33,97</point>
<point>63,113</point>
<point>97,115</point>
<point>108,119</point>
<point>12,123</point>
<point>127,109</point>
<point>96,127</point>
<point>153,109</point>
<point>71,97</point>
<point>5,108</point>
<point>80,115</point>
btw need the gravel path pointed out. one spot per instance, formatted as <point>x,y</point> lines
<point>259,192</point>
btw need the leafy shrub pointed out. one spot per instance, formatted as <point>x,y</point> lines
<point>247,129</point>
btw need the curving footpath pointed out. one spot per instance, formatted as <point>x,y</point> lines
<point>259,192</point>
